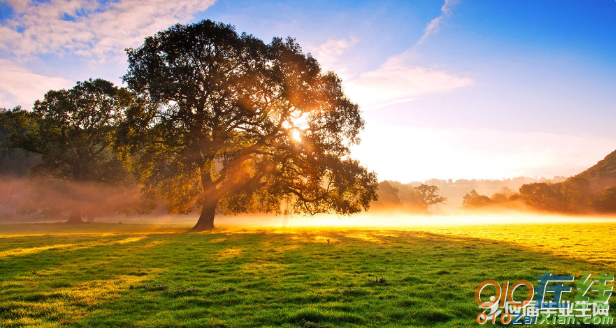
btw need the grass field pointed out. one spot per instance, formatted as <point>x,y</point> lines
<point>139,275</point>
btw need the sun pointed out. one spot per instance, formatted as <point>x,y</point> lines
<point>297,136</point>
<point>297,125</point>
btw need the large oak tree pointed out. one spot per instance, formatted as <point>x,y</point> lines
<point>231,124</point>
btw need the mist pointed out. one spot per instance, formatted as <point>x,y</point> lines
<point>23,199</point>
<point>26,200</point>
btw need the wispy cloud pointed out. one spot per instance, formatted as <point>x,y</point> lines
<point>18,5</point>
<point>398,80</point>
<point>434,24</point>
<point>94,29</point>
<point>97,30</point>
<point>329,54</point>
<point>20,86</point>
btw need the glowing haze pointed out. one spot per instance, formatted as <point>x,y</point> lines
<point>452,89</point>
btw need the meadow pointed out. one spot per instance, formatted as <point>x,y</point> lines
<point>156,275</point>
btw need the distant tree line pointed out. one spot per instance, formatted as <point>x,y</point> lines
<point>395,195</point>
<point>452,191</point>
<point>573,195</point>
<point>592,191</point>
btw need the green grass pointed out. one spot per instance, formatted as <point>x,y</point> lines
<point>129,275</point>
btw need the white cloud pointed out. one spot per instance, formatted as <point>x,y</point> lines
<point>329,55</point>
<point>90,28</point>
<point>434,24</point>
<point>395,81</point>
<point>18,5</point>
<point>398,81</point>
<point>20,86</point>
<point>330,51</point>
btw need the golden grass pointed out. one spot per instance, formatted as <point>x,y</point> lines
<point>33,250</point>
<point>365,237</point>
<point>287,248</point>
<point>70,303</point>
<point>593,242</point>
<point>229,253</point>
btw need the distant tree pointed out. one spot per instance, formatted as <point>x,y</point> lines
<point>540,196</point>
<point>473,200</point>
<point>403,190</point>
<point>14,162</point>
<point>424,196</point>
<point>498,198</point>
<point>503,196</point>
<point>387,194</point>
<point>574,195</point>
<point>73,131</point>
<point>236,125</point>
<point>570,196</point>
<point>608,200</point>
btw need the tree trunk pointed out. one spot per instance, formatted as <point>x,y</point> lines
<point>206,219</point>
<point>75,217</point>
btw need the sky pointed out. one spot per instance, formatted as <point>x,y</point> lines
<point>459,89</point>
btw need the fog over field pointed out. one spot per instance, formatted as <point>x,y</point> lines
<point>366,220</point>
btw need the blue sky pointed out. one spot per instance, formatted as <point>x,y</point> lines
<point>450,89</point>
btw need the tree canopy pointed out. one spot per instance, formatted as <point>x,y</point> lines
<point>73,131</point>
<point>473,200</point>
<point>14,162</point>
<point>231,124</point>
<point>387,194</point>
<point>424,196</point>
